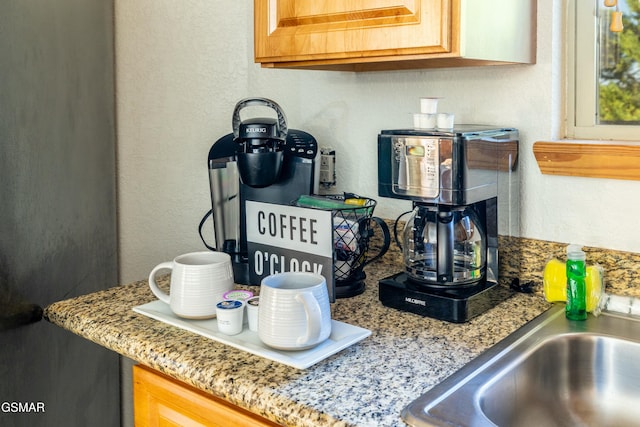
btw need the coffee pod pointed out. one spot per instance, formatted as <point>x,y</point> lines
<point>239,294</point>
<point>229,314</point>
<point>253,305</point>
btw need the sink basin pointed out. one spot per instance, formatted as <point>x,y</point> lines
<point>551,372</point>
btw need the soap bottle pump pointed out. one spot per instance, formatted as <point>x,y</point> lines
<point>576,308</point>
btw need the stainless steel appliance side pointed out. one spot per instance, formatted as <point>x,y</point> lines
<point>58,236</point>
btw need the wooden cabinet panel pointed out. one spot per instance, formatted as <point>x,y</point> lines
<point>290,30</point>
<point>358,35</point>
<point>162,401</point>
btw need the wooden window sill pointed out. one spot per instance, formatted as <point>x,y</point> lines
<point>588,159</point>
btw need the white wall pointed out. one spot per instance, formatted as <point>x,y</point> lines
<point>182,66</point>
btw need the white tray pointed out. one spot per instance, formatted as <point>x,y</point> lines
<point>342,336</point>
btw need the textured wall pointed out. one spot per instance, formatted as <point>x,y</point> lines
<point>181,70</point>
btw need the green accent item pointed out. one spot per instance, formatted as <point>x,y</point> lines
<point>327,203</point>
<point>576,308</point>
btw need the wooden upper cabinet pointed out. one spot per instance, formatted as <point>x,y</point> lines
<point>392,34</point>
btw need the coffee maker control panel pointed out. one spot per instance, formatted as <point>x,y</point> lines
<point>301,144</point>
<point>415,166</point>
<point>454,168</point>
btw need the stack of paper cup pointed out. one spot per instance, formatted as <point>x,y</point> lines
<point>429,118</point>
<point>445,121</point>
<point>429,105</point>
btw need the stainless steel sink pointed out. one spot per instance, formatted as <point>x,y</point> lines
<point>551,372</point>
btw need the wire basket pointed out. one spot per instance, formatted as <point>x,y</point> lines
<point>352,230</point>
<point>351,233</point>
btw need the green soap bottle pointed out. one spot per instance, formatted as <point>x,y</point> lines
<point>576,308</point>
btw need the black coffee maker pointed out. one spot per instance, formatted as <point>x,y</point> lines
<point>463,183</point>
<point>264,161</point>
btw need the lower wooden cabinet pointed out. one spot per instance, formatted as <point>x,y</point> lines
<point>163,401</point>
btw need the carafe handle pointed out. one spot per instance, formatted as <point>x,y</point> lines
<point>445,230</point>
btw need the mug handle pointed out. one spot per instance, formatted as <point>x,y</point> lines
<point>314,318</point>
<point>159,293</point>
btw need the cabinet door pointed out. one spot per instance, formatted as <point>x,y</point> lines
<point>162,401</point>
<point>304,30</point>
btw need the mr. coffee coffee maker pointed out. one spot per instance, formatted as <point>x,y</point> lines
<point>264,161</point>
<point>459,182</point>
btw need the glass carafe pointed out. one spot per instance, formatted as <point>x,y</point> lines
<point>444,245</point>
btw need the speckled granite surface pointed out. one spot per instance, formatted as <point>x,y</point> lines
<point>366,384</point>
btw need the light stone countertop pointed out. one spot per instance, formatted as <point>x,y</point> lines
<point>367,384</point>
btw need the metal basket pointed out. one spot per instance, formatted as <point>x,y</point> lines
<point>351,234</point>
<point>352,230</point>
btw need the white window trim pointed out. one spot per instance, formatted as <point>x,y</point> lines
<point>582,78</point>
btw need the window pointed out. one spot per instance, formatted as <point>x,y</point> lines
<point>603,70</point>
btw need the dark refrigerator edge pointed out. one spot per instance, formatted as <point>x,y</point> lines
<point>58,227</point>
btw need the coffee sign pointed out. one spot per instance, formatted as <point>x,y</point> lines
<point>282,238</point>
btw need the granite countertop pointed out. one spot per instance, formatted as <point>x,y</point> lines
<point>367,384</point>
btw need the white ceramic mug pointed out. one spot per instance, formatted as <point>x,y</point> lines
<point>198,281</point>
<point>294,311</point>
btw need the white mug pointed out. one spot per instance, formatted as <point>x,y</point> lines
<point>294,311</point>
<point>198,281</point>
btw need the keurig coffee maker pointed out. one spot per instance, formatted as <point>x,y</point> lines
<point>460,182</point>
<point>263,161</point>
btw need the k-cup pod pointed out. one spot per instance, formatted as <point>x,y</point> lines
<point>229,314</point>
<point>345,234</point>
<point>239,294</point>
<point>252,308</point>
